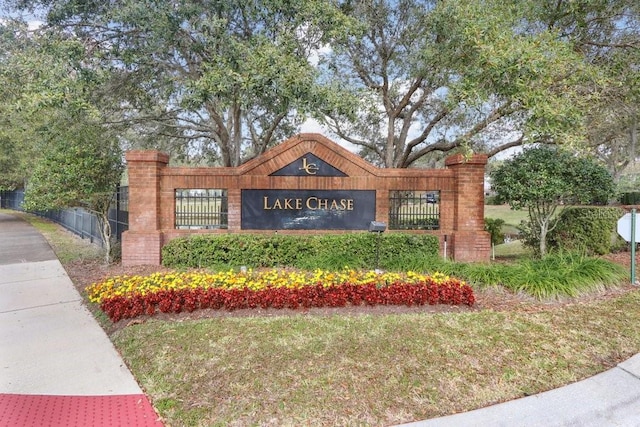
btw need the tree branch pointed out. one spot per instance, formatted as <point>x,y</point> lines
<point>500,148</point>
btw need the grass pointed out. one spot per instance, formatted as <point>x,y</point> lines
<point>512,218</point>
<point>370,370</point>
<point>512,249</point>
<point>553,277</point>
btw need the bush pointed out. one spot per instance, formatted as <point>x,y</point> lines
<point>492,200</point>
<point>631,198</point>
<point>494,227</point>
<point>557,275</point>
<point>587,229</point>
<point>354,250</point>
<point>529,234</point>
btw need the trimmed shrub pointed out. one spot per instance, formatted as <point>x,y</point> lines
<point>354,250</point>
<point>588,229</point>
<point>631,198</point>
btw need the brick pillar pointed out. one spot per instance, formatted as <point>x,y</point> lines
<point>469,241</point>
<point>141,244</point>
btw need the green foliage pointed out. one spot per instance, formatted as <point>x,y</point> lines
<point>354,250</point>
<point>607,33</point>
<point>223,79</point>
<point>79,167</point>
<point>462,71</point>
<point>554,276</point>
<point>55,123</point>
<point>564,275</point>
<point>492,200</point>
<point>541,179</point>
<point>494,227</point>
<point>529,234</point>
<point>630,198</point>
<point>551,176</point>
<point>587,229</point>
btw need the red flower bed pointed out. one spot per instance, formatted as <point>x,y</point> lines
<point>176,301</point>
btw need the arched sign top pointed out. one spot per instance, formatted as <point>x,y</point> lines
<point>309,165</point>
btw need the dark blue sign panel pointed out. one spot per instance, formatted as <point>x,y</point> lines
<point>309,165</point>
<point>308,209</point>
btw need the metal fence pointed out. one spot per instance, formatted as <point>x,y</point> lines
<point>414,210</point>
<point>201,208</point>
<point>78,220</point>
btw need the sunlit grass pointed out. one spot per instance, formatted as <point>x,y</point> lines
<point>370,370</point>
<point>511,217</point>
<point>373,369</point>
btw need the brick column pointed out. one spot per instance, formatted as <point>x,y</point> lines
<point>141,244</point>
<point>469,241</point>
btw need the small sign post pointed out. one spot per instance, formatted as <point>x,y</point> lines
<point>633,246</point>
<point>628,231</point>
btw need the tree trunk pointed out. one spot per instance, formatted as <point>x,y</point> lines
<point>105,234</point>
<point>543,240</point>
<point>236,141</point>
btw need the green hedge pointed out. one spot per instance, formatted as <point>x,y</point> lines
<point>589,229</point>
<point>354,250</point>
<point>632,198</point>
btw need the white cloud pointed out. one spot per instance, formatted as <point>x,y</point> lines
<point>35,24</point>
<point>316,54</point>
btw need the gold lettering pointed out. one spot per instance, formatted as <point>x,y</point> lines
<point>309,201</point>
<point>287,204</point>
<point>309,168</point>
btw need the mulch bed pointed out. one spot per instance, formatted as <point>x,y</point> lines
<point>84,273</point>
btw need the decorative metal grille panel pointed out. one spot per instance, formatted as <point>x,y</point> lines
<point>201,208</point>
<point>414,210</point>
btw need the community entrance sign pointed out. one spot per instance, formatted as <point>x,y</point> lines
<point>307,209</point>
<point>307,184</point>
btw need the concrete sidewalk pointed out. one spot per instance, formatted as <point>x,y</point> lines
<point>57,365</point>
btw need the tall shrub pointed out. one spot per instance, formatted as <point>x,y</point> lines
<point>588,229</point>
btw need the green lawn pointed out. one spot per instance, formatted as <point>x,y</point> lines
<point>512,219</point>
<point>368,369</point>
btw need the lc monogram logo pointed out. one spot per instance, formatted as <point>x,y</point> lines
<point>309,168</point>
